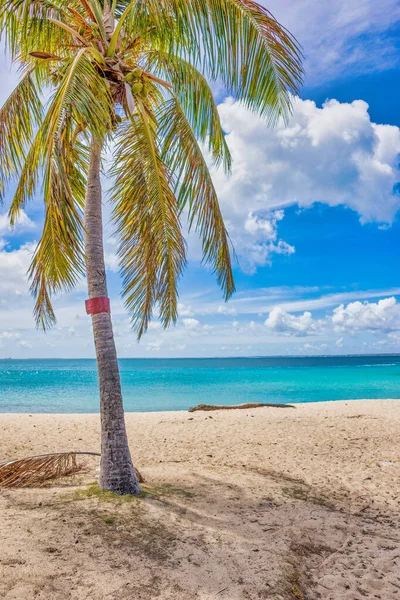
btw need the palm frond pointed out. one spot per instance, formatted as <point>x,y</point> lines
<point>257,58</point>
<point>20,115</point>
<point>26,26</point>
<point>237,42</point>
<point>36,471</point>
<point>58,261</point>
<point>195,188</point>
<point>28,178</point>
<point>97,11</point>
<point>197,101</point>
<point>152,249</point>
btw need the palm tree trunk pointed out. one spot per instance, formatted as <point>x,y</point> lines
<point>116,469</point>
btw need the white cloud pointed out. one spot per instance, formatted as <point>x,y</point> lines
<point>177,347</point>
<point>13,268</point>
<point>315,348</point>
<point>14,263</point>
<point>9,335</point>
<point>23,223</point>
<point>341,37</point>
<point>258,240</point>
<point>356,317</point>
<point>154,346</point>
<point>368,316</point>
<point>110,250</point>
<point>184,310</point>
<point>260,301</point>
<point>226,309</point>
<point>255,223</point>
<point>372,325</point>
<point>25,344</point>
<point>282,322</point>
<point>327,300</point>
<point>333,155</point>
<point>191,324</point>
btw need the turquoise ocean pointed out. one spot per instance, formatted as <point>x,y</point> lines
<point>70,386</point>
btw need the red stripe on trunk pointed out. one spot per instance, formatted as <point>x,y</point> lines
<point>94,306</point>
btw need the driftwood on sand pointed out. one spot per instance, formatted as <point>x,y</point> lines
<point>38,470</point>
<point>208,407</point>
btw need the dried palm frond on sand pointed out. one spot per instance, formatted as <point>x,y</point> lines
<point>38,470</point>
<point>209,407</point>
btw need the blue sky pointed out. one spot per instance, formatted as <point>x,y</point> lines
<point>312,210</point>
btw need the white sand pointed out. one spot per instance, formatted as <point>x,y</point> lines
<point>250,504</point>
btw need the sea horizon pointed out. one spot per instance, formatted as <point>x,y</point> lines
<point>225,357</point>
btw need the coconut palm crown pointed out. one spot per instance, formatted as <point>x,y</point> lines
<point>136,74</point>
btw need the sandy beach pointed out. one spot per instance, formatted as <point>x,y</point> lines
<point>266,504</point>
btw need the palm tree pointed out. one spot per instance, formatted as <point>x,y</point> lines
<point>134,75</point>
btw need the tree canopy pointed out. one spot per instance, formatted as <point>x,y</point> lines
<point>138,75</point>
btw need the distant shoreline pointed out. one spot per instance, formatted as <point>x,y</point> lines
<point>265,409</point>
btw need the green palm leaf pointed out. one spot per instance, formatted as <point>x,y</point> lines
<point>81,98</point>
<point>151,64</point>
<point>235,41</point>
<point>152,249</point>
<point>59,258</point>
<point>197,101</point>
<point>19,116</point>
<point>183,155</point>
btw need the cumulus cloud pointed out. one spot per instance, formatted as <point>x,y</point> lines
<point>23,223</point>
<point>283,322</point>
<point>13,268</point>
<point>155,325</point>
<point>184,310</point>
<point>9,335</point>
<point>383,315</point>
<point>315,348</point>
<point>191,324</point>
<point>14,263</point>
<point>259,239</point>
<point>226,309</point>
<point>355,317</point>
<point>334,154</point>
